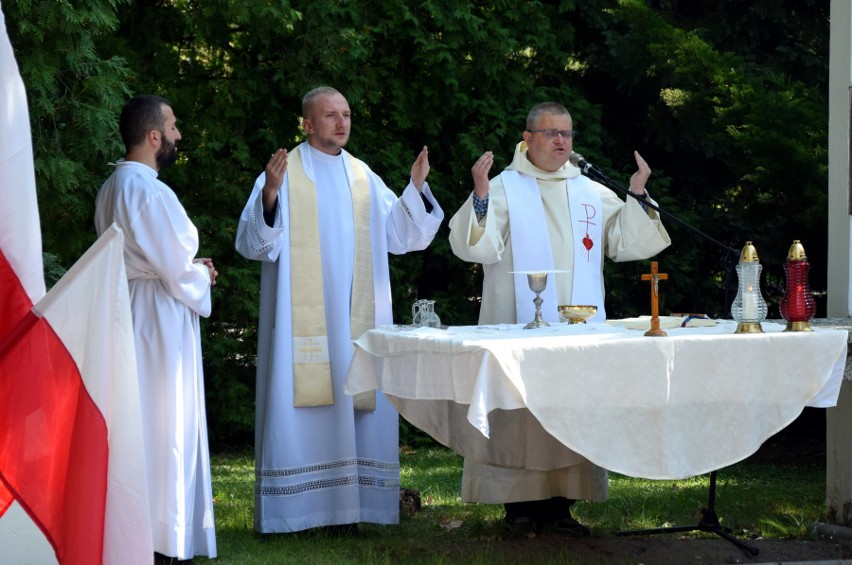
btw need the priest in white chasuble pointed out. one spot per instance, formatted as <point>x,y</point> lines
<point>542,214</point>
<point>322,224</point>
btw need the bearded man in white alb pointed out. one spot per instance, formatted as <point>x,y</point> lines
<point>541,214</point>
<point>323,223</point>
<point>169,290</point>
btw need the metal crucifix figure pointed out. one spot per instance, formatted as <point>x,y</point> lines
<point>655,277</point>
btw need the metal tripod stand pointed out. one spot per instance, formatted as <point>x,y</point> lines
<point>709,523</point>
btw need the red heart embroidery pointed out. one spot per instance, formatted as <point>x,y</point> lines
<point>588,243</point>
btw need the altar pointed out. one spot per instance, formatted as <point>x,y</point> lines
<point>700,399</point>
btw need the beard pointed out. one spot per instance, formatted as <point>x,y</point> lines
<point>167,154</point>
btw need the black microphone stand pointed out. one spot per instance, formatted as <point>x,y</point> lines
<point>600,177</point>
<point>731,256</point>
<point>709,520</point>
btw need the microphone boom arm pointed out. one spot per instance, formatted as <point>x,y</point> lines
<point>595,174</point>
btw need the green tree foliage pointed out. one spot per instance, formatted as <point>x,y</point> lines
<point>726,100</point>
<point>75,90</point>
<point>729,99</point>
<point>222,66</point>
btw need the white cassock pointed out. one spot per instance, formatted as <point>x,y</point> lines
<point>326,465</point>
<point>628,233</point>
<point>168,293</point>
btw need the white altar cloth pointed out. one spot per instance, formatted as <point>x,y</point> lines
<point>654,407</point>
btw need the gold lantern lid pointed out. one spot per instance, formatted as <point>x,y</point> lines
<point>797,252</point>
<point>748,254</point>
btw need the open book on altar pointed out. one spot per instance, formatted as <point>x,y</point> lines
<point>666,322</point>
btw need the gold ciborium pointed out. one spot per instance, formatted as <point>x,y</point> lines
<point>577,314</point>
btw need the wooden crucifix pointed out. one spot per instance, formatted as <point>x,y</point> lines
<point>655,277</point>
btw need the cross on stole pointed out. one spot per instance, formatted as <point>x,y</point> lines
<point>655,277</point>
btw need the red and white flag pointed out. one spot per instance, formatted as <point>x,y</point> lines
<point>21,269</point>
<point>71,451</point>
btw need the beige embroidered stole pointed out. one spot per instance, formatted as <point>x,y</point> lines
<point>362,306</point>
<point>312,384</point>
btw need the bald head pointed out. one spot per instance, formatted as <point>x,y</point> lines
<point>326,119</point>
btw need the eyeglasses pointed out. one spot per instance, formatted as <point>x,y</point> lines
<point>553,133</point>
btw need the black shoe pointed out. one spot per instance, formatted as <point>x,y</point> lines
<point>341,530</point>
<point>571,527</point>
<point>160,559</point>
<point>521,527</point>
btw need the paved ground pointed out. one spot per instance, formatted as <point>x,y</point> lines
<point>670,550</point>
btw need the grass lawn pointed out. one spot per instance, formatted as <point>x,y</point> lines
<point>755,500</point>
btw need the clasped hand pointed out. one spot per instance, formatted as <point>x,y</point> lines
<point>208,262</point>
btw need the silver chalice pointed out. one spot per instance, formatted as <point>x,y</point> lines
<point>537,283</point>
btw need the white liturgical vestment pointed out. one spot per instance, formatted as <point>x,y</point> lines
<point>168,293</point>
<point>326,465</point>
<point>628,233</point>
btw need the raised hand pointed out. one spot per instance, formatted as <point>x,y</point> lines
<point>420,169</point>
<point>640,177</point>
<point>480,171</point>
<point>275,169</point>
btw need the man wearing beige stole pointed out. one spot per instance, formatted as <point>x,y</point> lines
<point>540,214</point>
<point>322,224</point>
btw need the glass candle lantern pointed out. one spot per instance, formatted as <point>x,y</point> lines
<point>749,307</point>
<point>798,305</point>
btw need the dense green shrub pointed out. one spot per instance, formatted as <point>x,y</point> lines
<point>726,100</point>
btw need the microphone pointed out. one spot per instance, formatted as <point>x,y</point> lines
<point>587,168</point>
<point>591,171</point>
